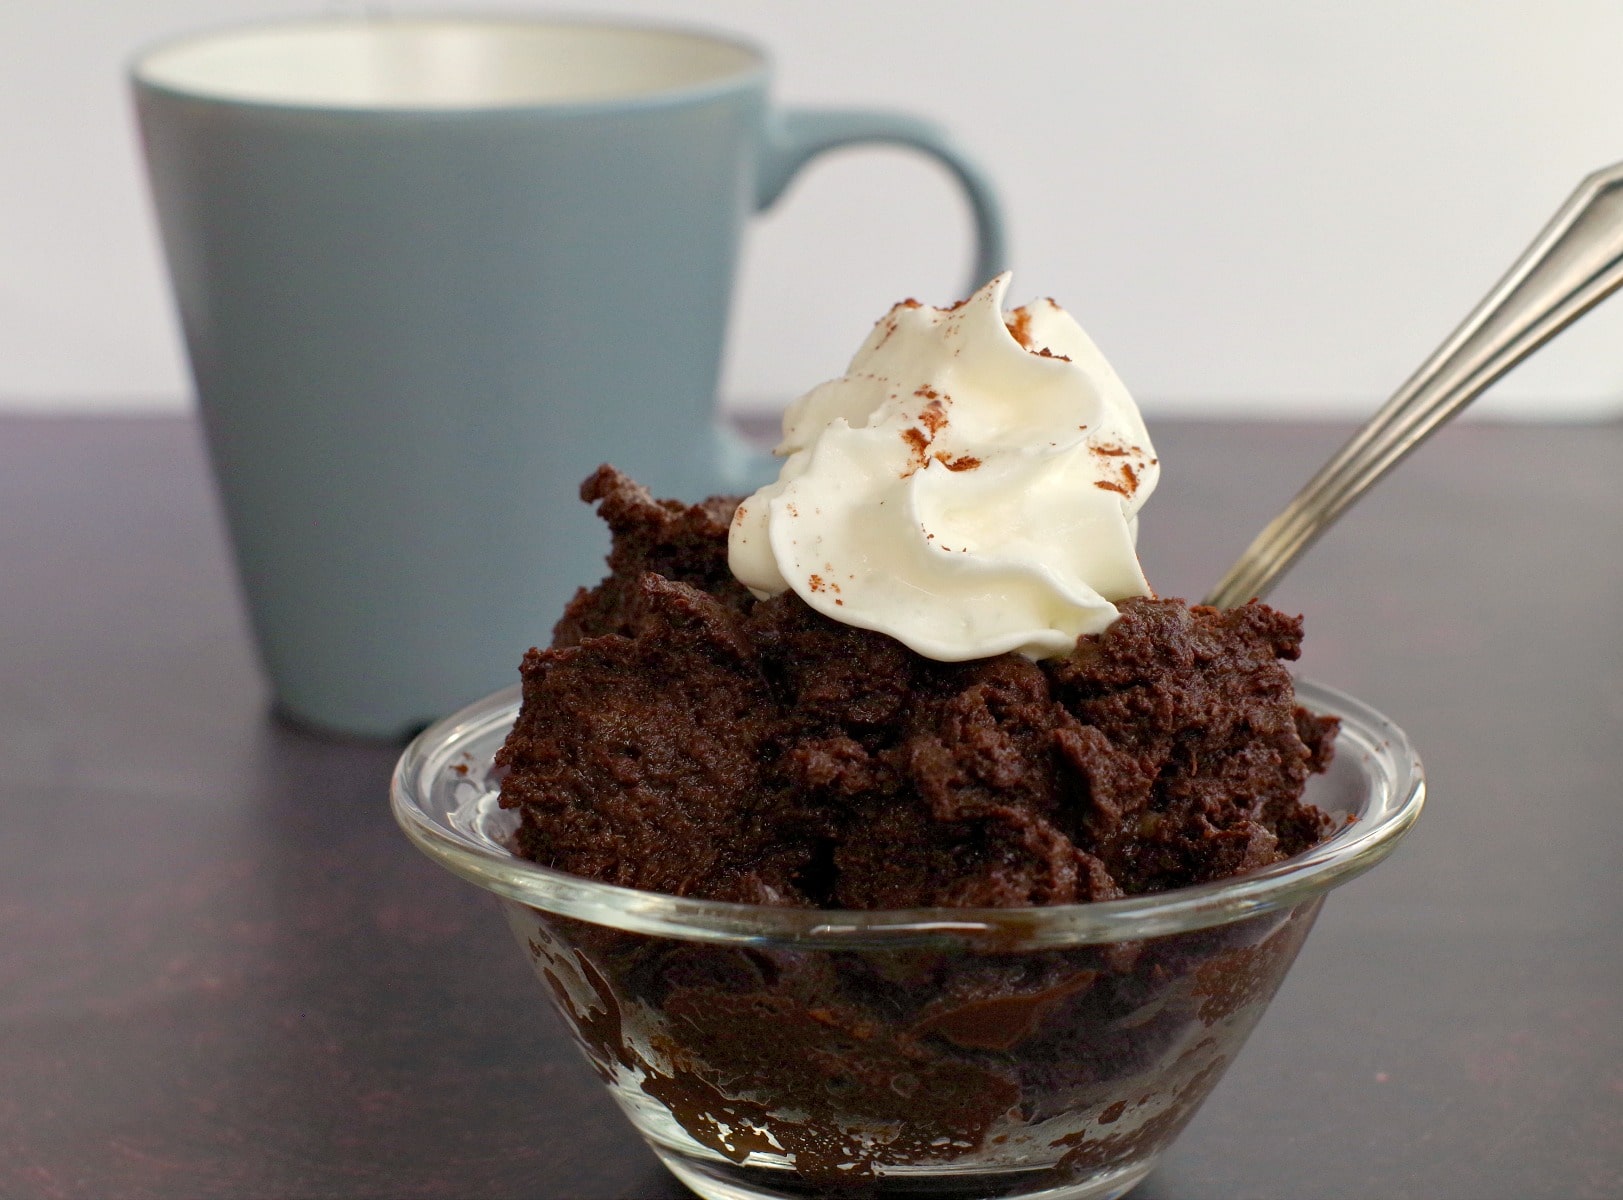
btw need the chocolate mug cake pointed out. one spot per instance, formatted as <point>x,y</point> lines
<point>922,671</point>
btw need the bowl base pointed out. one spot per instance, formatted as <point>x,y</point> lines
<point>724,1181</point>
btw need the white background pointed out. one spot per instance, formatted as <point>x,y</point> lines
<point>1272,206</point>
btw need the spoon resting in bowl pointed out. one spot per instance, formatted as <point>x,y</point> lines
<point>1574,264</point>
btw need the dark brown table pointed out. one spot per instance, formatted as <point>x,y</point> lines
<point>224,973</point>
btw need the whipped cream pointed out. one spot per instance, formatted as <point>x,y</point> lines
<point>970,486</point>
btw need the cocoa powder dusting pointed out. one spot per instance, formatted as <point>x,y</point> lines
<point>932,420</point>
<point>934,415</point>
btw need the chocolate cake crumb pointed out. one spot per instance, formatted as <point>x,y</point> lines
<point>682,542</point>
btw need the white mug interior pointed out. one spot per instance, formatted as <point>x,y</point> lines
<point>442,63</point>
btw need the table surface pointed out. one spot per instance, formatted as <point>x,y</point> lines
<point>225,973</point>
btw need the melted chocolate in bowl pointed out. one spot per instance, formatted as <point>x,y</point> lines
<point>776,1052</point>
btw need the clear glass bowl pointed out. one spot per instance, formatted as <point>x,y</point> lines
<point>781,1052</point>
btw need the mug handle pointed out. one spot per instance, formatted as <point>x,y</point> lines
<point>795,136</point>
<point>791,139</point>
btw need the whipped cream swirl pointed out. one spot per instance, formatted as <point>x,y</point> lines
<point>970,486</point>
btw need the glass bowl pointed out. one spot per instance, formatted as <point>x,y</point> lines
<point>781,1052</point>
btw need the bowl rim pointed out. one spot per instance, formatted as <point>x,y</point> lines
<point>147,68</point>
<point>1392,798</point>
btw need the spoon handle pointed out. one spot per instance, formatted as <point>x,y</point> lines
<point>1574,264</point>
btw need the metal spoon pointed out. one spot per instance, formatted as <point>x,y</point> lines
<point>1574,264</point>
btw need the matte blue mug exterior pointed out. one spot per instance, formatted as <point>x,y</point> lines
<point>414,330</point>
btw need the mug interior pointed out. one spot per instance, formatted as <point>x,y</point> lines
<point>442,63</point>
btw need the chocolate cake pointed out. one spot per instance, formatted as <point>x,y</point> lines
<point>680,736</point>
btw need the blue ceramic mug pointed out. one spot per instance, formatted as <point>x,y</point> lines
<point>431,272</point>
